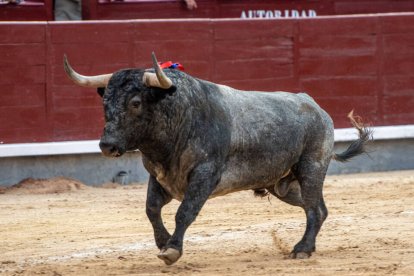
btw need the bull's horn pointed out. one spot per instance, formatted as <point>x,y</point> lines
<point>87,81</point>
<point>159,79</point>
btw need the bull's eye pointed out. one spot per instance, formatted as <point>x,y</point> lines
<point>135,103</point>
<point>135,106</point>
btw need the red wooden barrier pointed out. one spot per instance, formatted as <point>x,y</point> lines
<point>357,62</point>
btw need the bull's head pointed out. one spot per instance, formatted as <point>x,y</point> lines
<point>128,97</point>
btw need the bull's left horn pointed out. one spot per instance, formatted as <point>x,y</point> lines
<point>87,81</point>
<point>159,79</point>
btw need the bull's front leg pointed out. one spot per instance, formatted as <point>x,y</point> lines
<point>157,197</point>
<point>201,184</point>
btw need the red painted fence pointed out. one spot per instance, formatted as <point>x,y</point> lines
<point>364,63</point>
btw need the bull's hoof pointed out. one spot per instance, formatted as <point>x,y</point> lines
<point>299,255</point>
<point>169,255</point>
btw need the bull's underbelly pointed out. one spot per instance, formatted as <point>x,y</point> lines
<point>235,178</point>
<point>238,178</point>
<point>226,187</point>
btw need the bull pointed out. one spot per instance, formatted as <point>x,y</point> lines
<point>200,140</point>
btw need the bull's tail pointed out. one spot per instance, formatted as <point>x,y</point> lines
<point>357,147</point>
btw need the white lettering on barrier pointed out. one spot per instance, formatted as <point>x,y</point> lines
<point>277,14</point>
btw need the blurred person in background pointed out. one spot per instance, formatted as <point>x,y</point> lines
<point>68,10</point>
<point>191,4</point>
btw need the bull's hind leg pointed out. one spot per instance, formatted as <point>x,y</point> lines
<point>156,199</point>
<point>311,176</point>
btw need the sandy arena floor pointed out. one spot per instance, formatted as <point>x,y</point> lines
<point>65,228</point>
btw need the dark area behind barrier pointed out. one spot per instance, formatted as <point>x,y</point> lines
<point>138,9</point>
<point>364,63</point>
<point>150,9</point>
<point>27,10</point>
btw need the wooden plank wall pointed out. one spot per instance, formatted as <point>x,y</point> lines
<point>357,62</point>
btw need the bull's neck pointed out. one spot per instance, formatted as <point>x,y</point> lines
<point>166,134</point>
<point>156,153</point>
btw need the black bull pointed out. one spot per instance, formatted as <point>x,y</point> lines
<point>200,140</point>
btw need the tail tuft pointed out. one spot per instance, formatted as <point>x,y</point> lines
<point>357,147</point>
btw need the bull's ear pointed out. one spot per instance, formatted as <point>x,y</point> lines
<point>101,91</point>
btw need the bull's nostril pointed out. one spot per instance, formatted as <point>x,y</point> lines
<point>109,149</point>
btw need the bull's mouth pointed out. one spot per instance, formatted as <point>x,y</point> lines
<point>118,154</point>
<point>114,154</point>
<point>111,150</point>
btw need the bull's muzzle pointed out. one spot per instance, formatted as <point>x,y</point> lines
<point>110,149</point>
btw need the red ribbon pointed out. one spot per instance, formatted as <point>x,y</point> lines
<point>172,65</point>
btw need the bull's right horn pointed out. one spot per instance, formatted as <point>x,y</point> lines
<point>87,81</point>
<point>159,79</point>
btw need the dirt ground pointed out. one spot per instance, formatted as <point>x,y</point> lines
<point>62,227</point>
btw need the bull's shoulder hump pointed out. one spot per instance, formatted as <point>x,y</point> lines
<point>306,97</point>
<point>236,97</point>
